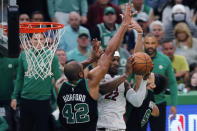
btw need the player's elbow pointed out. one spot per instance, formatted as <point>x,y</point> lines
<point>137,103</point>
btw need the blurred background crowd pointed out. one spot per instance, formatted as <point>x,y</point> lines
<point>171,21</point>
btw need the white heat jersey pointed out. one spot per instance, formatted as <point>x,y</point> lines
<point>111,108</point>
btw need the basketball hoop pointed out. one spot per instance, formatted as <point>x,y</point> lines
<point>40,41</point>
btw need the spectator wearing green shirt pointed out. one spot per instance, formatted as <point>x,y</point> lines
<point>179,62</point>
<point>163,66</point>
<point>8,68</point>
<point>140,6</point>
<point>34,94</point>
<point>81,52</point>
<point>59,10</point>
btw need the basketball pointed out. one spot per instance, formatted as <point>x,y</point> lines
<point>143,63</point>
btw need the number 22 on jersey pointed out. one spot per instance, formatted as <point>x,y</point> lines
<point>80,114</point>
<point>112,95</point>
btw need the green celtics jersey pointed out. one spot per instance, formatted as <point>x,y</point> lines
<point>78,111</point>
<point>106,34</point>
<point>8,68</point>
<point>139,116</point>
<point>146,9</point>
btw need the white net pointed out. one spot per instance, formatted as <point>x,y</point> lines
<point>39,50</point>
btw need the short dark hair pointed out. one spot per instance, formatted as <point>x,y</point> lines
<point>188,83</point>
<point>161,83</point>
<point>168,41</point>
<point>71,70</point>
<point>60,50</point>
<point>37,12</point>
<point>192,67</point>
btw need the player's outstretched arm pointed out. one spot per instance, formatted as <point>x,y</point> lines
<point>139,43</point>
<point>115,42</point>
<point>95,75</point>
<point>140,86</point>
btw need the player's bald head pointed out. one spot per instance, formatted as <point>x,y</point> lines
<point>72,70</point>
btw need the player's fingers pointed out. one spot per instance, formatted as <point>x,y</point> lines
<point>134,13</point>
<point>101,52</point>
<point>127,9</point>
<point>173,116</point>
<point>130,59</point>
<point>93,42</point>
<point>13,105</point>
<point>170,113</point>
<point>131,26</point>
<point>96,44</point>
<point>130,6</point>
<point>133,61</point>
<point>122,16</point>
<point>99,43</point>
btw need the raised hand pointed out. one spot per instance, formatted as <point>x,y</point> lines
<point>128,16</point>
<point>150,80</point>
<point>13,104</point>
<point>173,111</point>
<point>134,25</point>
<point>96,49</point>
<point>129,65</point>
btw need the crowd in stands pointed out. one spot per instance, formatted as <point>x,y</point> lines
<point>169,37</point>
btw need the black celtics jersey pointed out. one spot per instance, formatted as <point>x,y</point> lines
<point>78,111</point>
<point>139,117</point>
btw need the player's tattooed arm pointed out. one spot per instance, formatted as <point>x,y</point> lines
<point>109,86</point>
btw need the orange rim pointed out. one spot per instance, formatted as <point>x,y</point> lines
<point>5,27</point>
<point>37,27</point>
